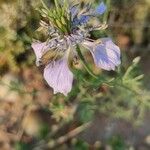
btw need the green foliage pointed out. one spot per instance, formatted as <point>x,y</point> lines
<point>117,143</point>
<point>22,146</point>
<point>80,145</point>
<point>15,34</point>
<point>85,111</point>
<point>58,16</point>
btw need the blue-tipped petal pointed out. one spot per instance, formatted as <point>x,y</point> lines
<point>101,8</point>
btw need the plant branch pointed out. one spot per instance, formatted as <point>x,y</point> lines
<point>70,135</point>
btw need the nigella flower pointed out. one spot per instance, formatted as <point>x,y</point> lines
<point>68,29</point>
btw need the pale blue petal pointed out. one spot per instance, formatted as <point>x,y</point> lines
<point>106,54</point>
<point>59,77</point>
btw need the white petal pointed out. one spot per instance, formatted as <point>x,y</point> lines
<point>59,77</point>
<point>39,48</point>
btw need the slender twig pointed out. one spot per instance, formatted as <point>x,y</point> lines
<point>85,64</point>
<point>71,134</point>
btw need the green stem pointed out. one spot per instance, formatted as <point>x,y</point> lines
<point>57,6</point>
<point>44,5</point>
<point>84,63</point>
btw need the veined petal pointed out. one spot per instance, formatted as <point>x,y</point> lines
<point>106,54</point>
<point>59,77</point>
<point>101,8</point>
<point>39,48</point>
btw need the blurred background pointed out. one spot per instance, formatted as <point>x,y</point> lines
<point>94,116</point>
